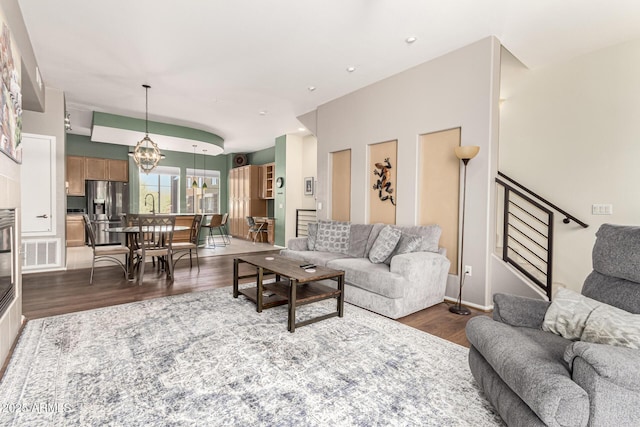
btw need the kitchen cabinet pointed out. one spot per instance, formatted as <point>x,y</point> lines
<point>95,169</point>
<point>267,177</point>
<point>81,168</point>
<point>75,230</point>
<point>75,176</point>
<point>117,170</point>
<point>244,198</point>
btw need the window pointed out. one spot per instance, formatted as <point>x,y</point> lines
<point>205,201</point>
<point>164,185</point>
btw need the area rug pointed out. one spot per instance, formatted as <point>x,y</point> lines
<point>206,358</point>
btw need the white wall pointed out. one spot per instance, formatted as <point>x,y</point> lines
<point>571,133</point>
<point>459,89</point>
<point>301,163</point>
<point>293,183</point>
<point>309,168</point>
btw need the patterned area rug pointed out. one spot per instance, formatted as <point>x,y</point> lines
<point>206,358</point>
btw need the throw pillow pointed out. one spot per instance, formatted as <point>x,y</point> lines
<point>385,244</point>
<point>613,326</point>
<point>568,314</point>
<point>408,243</point>
<point>312,234</point>
<point>333,236</point>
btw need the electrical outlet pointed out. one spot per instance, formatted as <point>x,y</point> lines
<point>468,270</point>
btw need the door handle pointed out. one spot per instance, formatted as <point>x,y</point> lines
<point>42,216</point>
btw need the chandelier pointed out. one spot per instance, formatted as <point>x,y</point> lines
<point>146,154</point>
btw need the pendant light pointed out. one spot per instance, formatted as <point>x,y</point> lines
<point>194,184</point>
<point>146,155</point>
<point>204,170</point>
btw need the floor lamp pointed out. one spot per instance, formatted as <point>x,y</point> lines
<point>464,153</point>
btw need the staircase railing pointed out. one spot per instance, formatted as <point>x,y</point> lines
<point>303,218</point>
<point>527,232</point>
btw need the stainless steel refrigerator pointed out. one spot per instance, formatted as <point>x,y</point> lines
<point>106,202</point>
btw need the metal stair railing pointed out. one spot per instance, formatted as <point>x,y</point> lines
<point>303,218</point>
<point>527,232</point>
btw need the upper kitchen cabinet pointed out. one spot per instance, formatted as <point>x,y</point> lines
<point>80,169</point>
<point>267,173</point>
<point>75,176</point>
<point>95,169</point>
<point>118,170</point>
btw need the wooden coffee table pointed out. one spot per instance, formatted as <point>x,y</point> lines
<point>293,286</point>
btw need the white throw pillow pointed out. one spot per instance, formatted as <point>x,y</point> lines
<point>568,314</point>
<point>613,326</point>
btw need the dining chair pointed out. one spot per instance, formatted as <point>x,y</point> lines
<point>192,245</point>
<point>104,253</point>
<point>155,239</point>
<point>256,229</point>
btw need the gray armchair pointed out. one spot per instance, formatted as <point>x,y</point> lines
<point>537,378</point>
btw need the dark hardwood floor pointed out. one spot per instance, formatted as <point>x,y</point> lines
<point>53,293</point>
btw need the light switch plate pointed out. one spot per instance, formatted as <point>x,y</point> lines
<point>601,209</point>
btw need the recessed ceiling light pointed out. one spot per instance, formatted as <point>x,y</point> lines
<point>410,40</point>
<point>301,129</point>
<point>351,69</point>
<point>263,113</point>
<point>311,88</point>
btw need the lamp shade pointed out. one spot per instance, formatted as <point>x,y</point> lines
<point>466,152</point>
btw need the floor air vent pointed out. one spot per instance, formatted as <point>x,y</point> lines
<point>40,254</point>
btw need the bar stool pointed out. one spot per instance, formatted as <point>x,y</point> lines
<point>216,222</point>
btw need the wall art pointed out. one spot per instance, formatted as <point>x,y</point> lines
<point>383,183</point>
<point>10,97</point>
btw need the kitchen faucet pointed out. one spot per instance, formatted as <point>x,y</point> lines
<point>153,202</point>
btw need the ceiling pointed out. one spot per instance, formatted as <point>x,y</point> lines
<point>242,69</point>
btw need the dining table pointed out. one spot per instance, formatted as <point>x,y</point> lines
<point>131,231</point>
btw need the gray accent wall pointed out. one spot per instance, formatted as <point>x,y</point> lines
<point>459,89</point>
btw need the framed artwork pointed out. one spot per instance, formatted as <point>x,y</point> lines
<point>308,186</point>
<point>10,97</point>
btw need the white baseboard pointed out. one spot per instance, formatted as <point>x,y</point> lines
<point>470,304</point>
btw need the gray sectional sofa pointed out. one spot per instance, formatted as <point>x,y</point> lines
<point>574,361</point>
<point>411,278</point>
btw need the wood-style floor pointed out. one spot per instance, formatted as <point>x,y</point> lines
<point>48,294</point>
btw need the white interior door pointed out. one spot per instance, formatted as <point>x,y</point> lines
<point>37,176</point>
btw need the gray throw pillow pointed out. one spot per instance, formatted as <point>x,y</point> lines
<point>333,236</point>
<point>430,235</point>
<point>408,243</point>
<point>312,234</point>
<point>385,244</point>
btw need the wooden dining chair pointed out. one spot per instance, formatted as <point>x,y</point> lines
<point>155,239</point>
<point>104,253</point>
<point>187,248</point>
